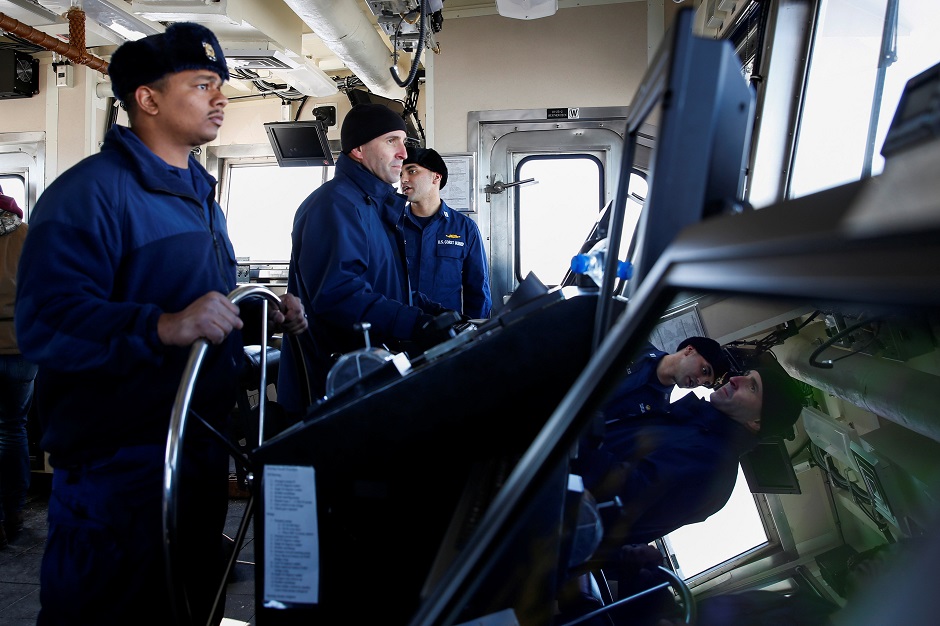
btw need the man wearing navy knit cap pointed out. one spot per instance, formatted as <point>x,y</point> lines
<point>444,247</point>
<point>127,263</point>
<point>347,256</point>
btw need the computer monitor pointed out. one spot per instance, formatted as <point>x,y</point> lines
<point>702,108</point>
<point>746,272</point>
<point>768,468</point>
<point>917,118</point>
<point>299,144</point>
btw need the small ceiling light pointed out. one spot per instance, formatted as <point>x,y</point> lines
<point>526,9</point>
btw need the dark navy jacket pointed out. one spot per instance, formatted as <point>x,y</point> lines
<point>446,261</point>
<point>114,242</point>
<point>347,266</point>
<point>670,468</point>
<point>640,392</point>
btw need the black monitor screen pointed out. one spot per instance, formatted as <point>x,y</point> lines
<point>917,118</point>
<point>701,108</point>
<point>299,144</point>
<point>768,468</point>
<point>688,131</point>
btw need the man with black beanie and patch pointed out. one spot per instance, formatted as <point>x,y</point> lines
<point>347,256</point>
<point>446,260</point>
<point>128,263</point>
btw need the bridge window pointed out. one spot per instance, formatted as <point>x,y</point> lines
<point>260,200</point>
<point>860,62</point>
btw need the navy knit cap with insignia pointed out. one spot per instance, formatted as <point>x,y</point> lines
<point>428,159</point>
<point>183,46</point>
<point>710,351</point>
<point>365,122</point>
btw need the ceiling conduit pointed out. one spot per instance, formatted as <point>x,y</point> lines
<point>884,387</point>
<point>348,33</point>
<point>78,54</point>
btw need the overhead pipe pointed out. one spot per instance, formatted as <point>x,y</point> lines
<point>887,388</point>
<point>68,50</point>
<point>352,37</point>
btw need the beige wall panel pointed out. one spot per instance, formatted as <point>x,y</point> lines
<point>588,56</point>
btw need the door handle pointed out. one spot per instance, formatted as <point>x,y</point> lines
<point>500,187</point>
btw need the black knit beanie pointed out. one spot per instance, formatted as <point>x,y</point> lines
<point>365,122</point>
<point>783,400</point>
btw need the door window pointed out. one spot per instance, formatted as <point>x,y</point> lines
<point>15,187</point>
<point>556,213</point>
<point>732,531</point>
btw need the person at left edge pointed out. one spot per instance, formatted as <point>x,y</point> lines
<point>127,263</point>
<point>16,379</point>
<point>444,248</point>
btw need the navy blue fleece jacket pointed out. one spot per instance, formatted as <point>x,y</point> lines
<point>115,241</point>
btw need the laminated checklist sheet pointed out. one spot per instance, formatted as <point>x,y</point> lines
<point>291,541</point>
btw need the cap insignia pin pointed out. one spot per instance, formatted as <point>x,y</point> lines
<point>210,51</point>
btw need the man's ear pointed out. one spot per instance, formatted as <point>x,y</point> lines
<point>146,101</point>
<point>753,426</point>
<point>356,153</point>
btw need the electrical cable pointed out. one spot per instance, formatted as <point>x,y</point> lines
<point>418,47</point>
<point>283,91</point>
<point>300,106</point>
<point>839,335</point>
<point>411,108</point>
<point>775,337</point>
<point>19,44</point>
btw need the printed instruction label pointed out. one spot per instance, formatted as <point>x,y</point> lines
<point>291,541</point>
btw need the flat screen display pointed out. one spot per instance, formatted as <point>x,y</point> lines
<point>768,469</point>
<point>299,144</point>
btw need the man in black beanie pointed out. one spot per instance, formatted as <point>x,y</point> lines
<point>677,466</point>
<point>347,257</point>
<point>127,263</point>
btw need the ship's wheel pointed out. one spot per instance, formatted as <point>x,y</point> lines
<point>174,447</point>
